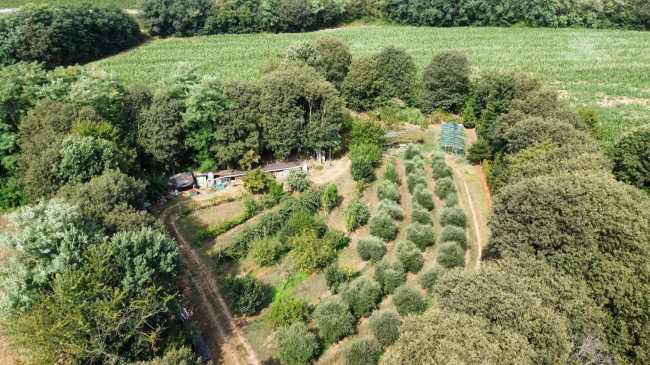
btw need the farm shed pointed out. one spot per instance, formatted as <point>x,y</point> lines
<point>453,138</point>
<point>182,181</point>
<point>223,178</point>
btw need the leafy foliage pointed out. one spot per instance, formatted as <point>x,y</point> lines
<point>445,82</point>
<point>388,190</point>
<point>362,296</point>
<point>410,256</point>
<point>356,214</point>
<point>335,59</point>
<point>248,294</point>
<point>391,209</point>
<point>444,187</point>
<point>310,252</point>
<point>371,248</point>
<point>453,216</point>
<point>430,276</point>
<point>423,197</point>
<point>297,180</point>
<point>296,344</point>
<point>397,71</point>
<point>390,275</point>
<point>330,197</point>
<point>334,319</point>
<point>421,235</point>
<point>450,254</point>
<point>631,156</point>
<point>384,324</point>
<point>383,226</point>
<point>286,311</point>
<point>362,88</point>
<point>362,351</point>
<point>408,300</point>
<point>257,180</point>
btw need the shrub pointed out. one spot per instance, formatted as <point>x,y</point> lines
<point>334,276</point>
<point>371,248</point>
<point>266,251</point>
<point>362,295</point>
<point>479,151</point>
<point>453,216</point>
<point>336,239</point>
<point>334,319</point>
<point>310,252</point>
<point>445,82</point>
<point>445,186</point>
<point>362,351</point>
<point>408,300</point>
<point>414,179</point>
<point>390,275</point>
<point>287,310</point>
<point>257,180</point>
<point>438,156</point>
<point>454,234</point>
<point>420,215</point>
<point>335,59</point>
<point>428,277</point>
<point>421,235</point>
<point>391,174</point>
<point>631,156</point>
<point>450,255</point>
<point>302,51</point>
<point>441,170</point>
<point>179,18</point>
<point>297,346</point>
<point>248,294</point>
<point>297,180</point>
<point>363,169</point>
<point>367,131</point>
<point>451,199</point>
<point>469,115</point>
<point>383,226</point>
<point>356,214</point>
<point>423,197</point>
<point>362,87</point>
<point>384,324</point>
<point>397,70</point>
<point>390,208</point>
<point>388,190</point>
<point>412,150</point>
<point>301,222</point>
<point>330,197</point>
<point>410,256</point>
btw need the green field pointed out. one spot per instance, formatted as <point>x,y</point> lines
<point>609,70</point>
<point>124,4</point>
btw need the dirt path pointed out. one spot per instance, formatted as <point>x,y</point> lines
<point>479,244</point>
<point>216,311</point>
<point>333,172</point>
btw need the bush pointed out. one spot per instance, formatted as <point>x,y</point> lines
<point>397,70</point>
<point>388,190</point>
<point>430,276</point>
<point>362,295</point>
<point>444,187</point>
<point>257,180</point>
<point>412,150</point>
<point>362,87</point>
<point>65,35</point>
<point>631,156</point>
<point>178,18</point>
<point>248,294</point>
<point>451,199</point>
<point>287,310</point>
<point>363,169</point>
<point>454,234</point>
<point>266,251</point>
<point>441,170</point>
<point>414,165</point>
<point>390,208</point>
<point>421,235</point>
<point>310,252</point>
<point>330,197</point>
<point>297,346</point>
<point>384,324</point>
<point>414,179</point>
<point>356,214</point>
<point>453,216</point>
<point>383,226</point>
<point>450,255</point>
<point>420,215</point>
<point>469,115</point>
<point>410,256</point>
<point>390,275</point>
<point>297,180</point>
<point>362,351</point>
<point>336,239</point>
<point>371,248</point>
<point>303,221</point>
<point>423,197</point>
<point>445,82</point>
<point>334,319</point>
<point>334,276</point>
<point>479,151</point>
<point>391,174</point>
<point>408,300</point>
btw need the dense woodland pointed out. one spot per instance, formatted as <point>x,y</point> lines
<point>90,278</point>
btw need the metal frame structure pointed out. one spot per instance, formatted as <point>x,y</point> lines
<point>453,138</point>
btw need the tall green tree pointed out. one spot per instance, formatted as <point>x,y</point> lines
<point>631,155</point>
<point>397,69</point>
<point>335,59</point>
<point>161,134</point>
<point>445,82</point>
<point>83,158</point>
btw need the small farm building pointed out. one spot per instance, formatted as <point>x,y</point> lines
<point>182,181</point>
<point>223,178</point>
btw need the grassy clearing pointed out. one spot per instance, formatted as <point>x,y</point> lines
<point>123,4</point>
<point>605,69</point>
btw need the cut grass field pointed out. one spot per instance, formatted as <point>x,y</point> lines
<point>122,4</point>
<point>605,69</point>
